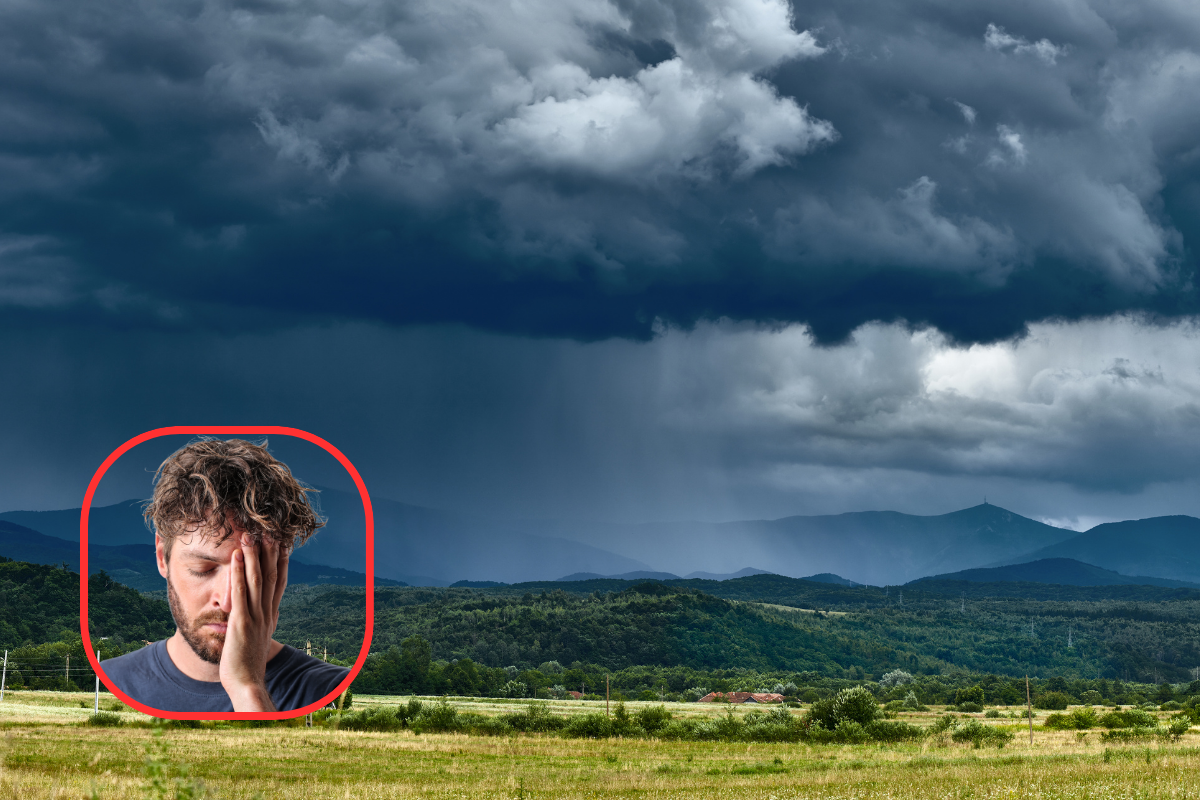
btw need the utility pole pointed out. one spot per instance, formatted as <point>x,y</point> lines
<point>606,695</point>
<point>964,603</point>
<point>97,709</point>
<point>1029,709</point>
<point>4,675</point>
<point>1070,639</point>
<point>901,597</point>
<point>68,672</point>
<point>308,718</point>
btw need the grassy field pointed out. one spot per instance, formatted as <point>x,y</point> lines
<point>48,751</point>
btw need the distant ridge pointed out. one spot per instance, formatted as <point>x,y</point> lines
<point>1059,571</point>
<point>1165,547</point>
<point>135,565</point>
<point>726,576</point>
<point>638,575</point>
<point>829,577</point>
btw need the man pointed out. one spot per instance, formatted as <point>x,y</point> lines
<point>226,516</point>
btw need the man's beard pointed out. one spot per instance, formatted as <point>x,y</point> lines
<point>207,645</point>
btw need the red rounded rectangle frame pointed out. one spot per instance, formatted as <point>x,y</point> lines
<point>223,431</point>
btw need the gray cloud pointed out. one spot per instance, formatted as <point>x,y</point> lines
<point>584,168</point>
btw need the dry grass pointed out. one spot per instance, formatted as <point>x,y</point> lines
<point>42,757</point>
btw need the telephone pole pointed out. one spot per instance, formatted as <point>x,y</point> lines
<point>1029,709</point>
<point>606,695</point>
<point>4,675</point>
<point>97,709</point>
<point>308,718</point>
<point>68,672</point>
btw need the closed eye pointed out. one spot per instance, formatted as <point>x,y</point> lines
<point>202,573</point>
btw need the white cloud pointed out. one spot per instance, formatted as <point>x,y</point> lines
<point>996,38</point>
<point>1107,404</point>
<point>1011,150</point>
<point>967,111</point>
<point>497,90</point>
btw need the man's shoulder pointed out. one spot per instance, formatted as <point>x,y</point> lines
<point>143,661</point>
<point>295,679</point>
<point>293,661</point>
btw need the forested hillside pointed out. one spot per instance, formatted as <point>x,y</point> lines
<point>38,603</point>
<point>39,624</point>
<point>654,625</point>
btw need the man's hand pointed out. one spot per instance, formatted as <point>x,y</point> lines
<point>257,577</point>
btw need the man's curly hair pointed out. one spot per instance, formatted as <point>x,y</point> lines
<point>218,486</point>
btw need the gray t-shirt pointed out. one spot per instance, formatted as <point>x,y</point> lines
<point>149,676</point>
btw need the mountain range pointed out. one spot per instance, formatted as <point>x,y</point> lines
<point>428,547</point>
<point>1059,571</point>
<point>135,565</point>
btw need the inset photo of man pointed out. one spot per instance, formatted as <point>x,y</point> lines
<point>226,517</point>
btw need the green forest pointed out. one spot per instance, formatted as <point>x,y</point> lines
<point>39,624</point>
<point>854,633</point>
<point>671,638</point>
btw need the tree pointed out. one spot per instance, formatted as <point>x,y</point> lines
<point>415,658</point>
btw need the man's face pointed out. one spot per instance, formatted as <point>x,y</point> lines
<point>198,584</point>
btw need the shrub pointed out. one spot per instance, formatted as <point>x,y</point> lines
<point>1127,735</point>
<point>821,715</point>
<point>653,719</point>
<point>408,712</point>
<point>894,706</point>
<point>970,708</point>
<point>589,726</point>
<point>849,731</point>
<point>1178,728</point>
<point>1085,718</point>
<point>884,730</point>
<point>979,734</point>
<point>1171,705</point>
<point>1131,718</point>
<point>622,723</point>
<point>1091,698</point>
<point>726,728</point>
<point>441,717</point>
<point>380,718</point>
<point>105,719</point>
<point>536,718</point>
<point>912,703</point>
<point>943,724</point>
<point>992,713</point>
<point>1052,701</point>
<point>855,704</point>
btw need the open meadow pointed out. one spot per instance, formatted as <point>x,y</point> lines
<point>50,751</point>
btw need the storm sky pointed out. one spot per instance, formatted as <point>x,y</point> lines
<point>612,259</point>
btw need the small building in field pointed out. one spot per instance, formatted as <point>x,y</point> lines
<point>742,697</point>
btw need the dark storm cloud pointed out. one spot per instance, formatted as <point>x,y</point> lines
<point>586,168</point>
